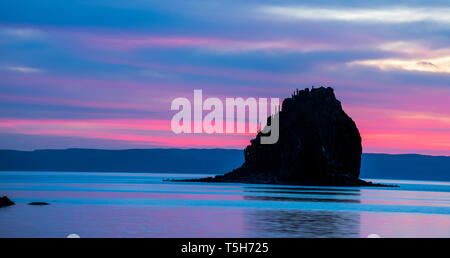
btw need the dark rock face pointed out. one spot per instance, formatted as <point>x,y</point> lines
<point>38,203</point>
<point>319,144</point>
<point>5,201</point>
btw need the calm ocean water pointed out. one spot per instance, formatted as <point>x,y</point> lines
<point>142,205</point>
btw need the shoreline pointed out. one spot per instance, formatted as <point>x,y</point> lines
<point>360,183</point>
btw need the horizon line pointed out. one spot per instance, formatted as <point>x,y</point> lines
<point>172,148</point>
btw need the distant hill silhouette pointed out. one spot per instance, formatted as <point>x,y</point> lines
<point>133,160</point>
<point>386,166</point>
<point>405,166</point>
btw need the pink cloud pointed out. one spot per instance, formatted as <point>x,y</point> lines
<point>391,134</point>
<point>131,42</point>
<point>185,140</point>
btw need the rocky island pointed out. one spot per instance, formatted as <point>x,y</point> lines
<point>319,144</point>
<point>5,201</point>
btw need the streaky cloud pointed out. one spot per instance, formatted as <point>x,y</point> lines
<point>431,65</point>
<point>23,33</point>
<point>23,69</point>
<point>217,44</point>
<point>367,15</point>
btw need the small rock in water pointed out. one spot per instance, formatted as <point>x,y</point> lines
<point>38,203</point>
<point>5,201</point>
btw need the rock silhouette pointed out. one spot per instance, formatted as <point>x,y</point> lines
<point>319,144</point>
<point>5,201</point>
<point>38,203</point>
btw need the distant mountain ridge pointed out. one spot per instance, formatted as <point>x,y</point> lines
<point>405,166</point>
<point>386,166</point>
<point>130,160</point>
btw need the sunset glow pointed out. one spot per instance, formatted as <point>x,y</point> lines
<point>73,80</point>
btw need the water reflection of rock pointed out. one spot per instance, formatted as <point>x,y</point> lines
<point>302,194</point>
<point>298,222</point>
<point>302,223</point>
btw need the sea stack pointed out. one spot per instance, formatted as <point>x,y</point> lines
<point>319,144</point>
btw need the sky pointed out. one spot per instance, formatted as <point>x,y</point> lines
<point>102,74</point>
